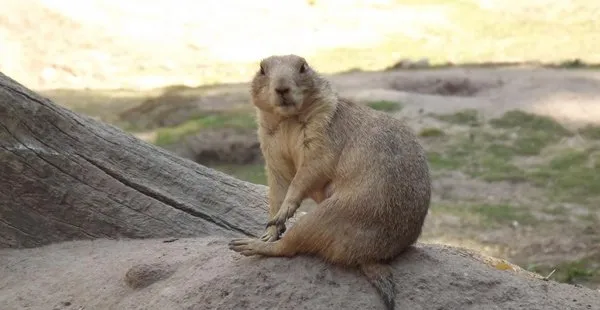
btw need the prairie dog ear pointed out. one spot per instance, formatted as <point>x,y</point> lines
<point>303,67</point>
<point>262,68</point>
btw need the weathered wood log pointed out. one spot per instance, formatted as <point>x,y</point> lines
<point>65,176</point>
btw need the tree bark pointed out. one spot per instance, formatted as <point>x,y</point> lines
<point>65,176</point>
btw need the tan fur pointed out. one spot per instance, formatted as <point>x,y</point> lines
<point>365,169</point>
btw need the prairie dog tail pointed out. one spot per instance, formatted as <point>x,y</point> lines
<point>380,276</point>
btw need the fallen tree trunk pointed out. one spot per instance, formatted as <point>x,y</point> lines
<point>64,176</point>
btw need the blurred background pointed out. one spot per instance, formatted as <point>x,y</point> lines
<point>505,96</point>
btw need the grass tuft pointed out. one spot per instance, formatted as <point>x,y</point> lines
<point>254,173</point>
<point>533,132</point>
<point>517,119</point>
<point>431,132</point>
<point>504,214</point>
<point>591,132</point>
<point>570,175</point>
<point>385,106</point>
<point>464,117</point>
<point>573,272</point>
<point>166,136</point>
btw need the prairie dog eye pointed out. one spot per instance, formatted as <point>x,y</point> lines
<point>303,67</point>
<point>262,70</point>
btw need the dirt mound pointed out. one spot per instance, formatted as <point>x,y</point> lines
<point>220,146</point>
<point>162,111</point>
<point>203,274</point>
<point>444,86</point>
<point>177,105</point>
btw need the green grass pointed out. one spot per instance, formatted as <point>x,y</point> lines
<point>533,142</point>
<point>525,143</point>
<point>517,119</point>
<point>479,154</point>
<point>254,173</point>
<point>533,132</point>
<point>431,132</point>
<point>464,117</point>
<point>491,169</point>
<point>166,136</point>
<point>572,175</point>
<point>488,154</point>
<point>386,106</point>
<point>488,214</point>
<point>569,159</point>
<point>504,214</point>
<point>591,132</point>
<point>500,150</point>
<point>443,161</point>
<point>579,271</point>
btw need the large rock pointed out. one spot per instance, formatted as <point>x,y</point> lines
<point>220,146</point>
<point>201,273</point>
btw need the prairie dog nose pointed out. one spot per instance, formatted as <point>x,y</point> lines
<point>282,90</point>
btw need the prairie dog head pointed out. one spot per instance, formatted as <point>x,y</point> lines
<point>283,85</point>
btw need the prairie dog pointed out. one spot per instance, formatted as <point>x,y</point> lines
<point>365,169</point>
